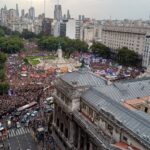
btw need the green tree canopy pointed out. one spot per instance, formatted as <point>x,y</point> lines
<point>4,86</point>
<point>10,44</point>
<point>27,34</point>
<point>3,58</point>
<point>2,75</point>
<point>128,57</point>
<point>2,32</point>
<point>68,45</point>
<point>100,49</point>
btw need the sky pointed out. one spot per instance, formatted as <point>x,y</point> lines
<point>98,9</point>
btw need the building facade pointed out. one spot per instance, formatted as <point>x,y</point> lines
<point>146,52</point>
<point>88,115</point>
<point>115,37</point>
<point>47,26</point>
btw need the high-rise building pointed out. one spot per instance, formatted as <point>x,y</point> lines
<point>62,29</point>
<point>80,17</point>
<point>56,28</point>
<point>22,13</point>
<point>68,14</point>
<point>64,17</point>
<point>32,13</point>
<point>58,13</point>
<point>71,29</point>
<point>46,26</point>
<point>12,14</point>
<point>17,10</point>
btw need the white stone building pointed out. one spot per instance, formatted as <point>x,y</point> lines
<point>89,113</point>
<point>146,52</point>
<point>132,37</point>
<point>71,29</point>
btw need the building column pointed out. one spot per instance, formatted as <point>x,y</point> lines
<point>72,132</point>
<point>91,146</point>
<point>79,137</point>
<point>85,142</point>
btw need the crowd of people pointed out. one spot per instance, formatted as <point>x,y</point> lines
<point>23,90</point>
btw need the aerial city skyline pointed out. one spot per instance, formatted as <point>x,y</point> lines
<point>97,9</point>
<point>74,75</point>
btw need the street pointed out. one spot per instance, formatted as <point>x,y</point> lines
<point>21,139</point>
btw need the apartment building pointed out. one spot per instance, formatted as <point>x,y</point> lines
<point>118,36</point>
<point>146,52</point>
<point>90,113</point>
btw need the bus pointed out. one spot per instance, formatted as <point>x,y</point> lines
<point>26,106</point>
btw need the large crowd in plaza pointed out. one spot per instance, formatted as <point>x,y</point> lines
<point>23,90</point>
<point>26,83</point>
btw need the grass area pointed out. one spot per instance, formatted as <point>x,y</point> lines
<point>34,62</point>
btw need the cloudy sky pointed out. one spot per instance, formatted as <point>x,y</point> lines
<point>99,9</point>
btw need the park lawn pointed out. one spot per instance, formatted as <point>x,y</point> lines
<point>34,62</point>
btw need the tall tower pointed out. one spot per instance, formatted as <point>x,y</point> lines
<point>58,12</point>
<point>68,14</point>
<point>32,13</point>
<point>17,10</point>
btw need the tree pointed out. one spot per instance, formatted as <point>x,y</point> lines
<point>27,34</point>
<point>3,58</point>
<point>68,45</point>
<point>128,57</point>
<point>4,86</point>
<point>2,33</point>
<point>100,49</point>
<point>10,44</point>
<point>2,75</point>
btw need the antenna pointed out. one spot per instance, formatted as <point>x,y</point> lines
<point>44,7</point>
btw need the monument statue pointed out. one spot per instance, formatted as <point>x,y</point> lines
<point>59,52</point>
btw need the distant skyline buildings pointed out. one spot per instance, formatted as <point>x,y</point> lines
<point>58,12</point>
<point>98,9</point>
<point>17,10</point>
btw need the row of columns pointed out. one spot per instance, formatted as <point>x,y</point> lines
<point>79,132</point>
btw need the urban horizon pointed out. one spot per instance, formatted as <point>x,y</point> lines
<point>131,13</point>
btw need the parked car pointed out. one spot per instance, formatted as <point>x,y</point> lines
<point>18,125</point>
<point>33,114</point>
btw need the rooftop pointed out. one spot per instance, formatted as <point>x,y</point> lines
<point>83,77</point>
<point>130,89</point>
<point>137,125</point>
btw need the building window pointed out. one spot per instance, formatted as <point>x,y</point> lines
<point>125,138</point>
<point>66,133</point>
<point>57,122</point>
<point>90,112</point>
<point>59,109</point>
<point>61,127</point>
<point>146,109</point>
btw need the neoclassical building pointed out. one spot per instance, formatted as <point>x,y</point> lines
<point>90,113</point>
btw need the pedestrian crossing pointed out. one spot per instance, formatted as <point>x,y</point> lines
<point>19,131</point>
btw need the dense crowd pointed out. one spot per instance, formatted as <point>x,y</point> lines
<point>23,89</point>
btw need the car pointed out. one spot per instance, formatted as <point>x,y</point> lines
<point>45,102</point>
<point>49,110</point>
<point>18,125</point>
<point>28,114</point>
<point>34,113</point>
<point>1,146</point>
<point>23,120</point>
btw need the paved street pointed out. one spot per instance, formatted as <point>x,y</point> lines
<point>21,139</point>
